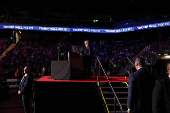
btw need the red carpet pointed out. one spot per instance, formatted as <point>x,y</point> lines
<point>92,79</point>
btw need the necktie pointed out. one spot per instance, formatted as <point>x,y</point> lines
<point>88,50</point>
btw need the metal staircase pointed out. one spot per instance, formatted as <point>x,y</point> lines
<point>110,95</point>
<point>121,91</point>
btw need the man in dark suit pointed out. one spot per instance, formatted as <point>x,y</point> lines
<point>25,88</point>
<point>161,94</point>
<point>140,89</point>
<point>87,53</point>
<point>44,72</point>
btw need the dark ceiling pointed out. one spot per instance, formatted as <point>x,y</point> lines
<point>94,6</point>
<point>114,9</point>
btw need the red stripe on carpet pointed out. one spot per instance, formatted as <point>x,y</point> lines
<point>92,79</point>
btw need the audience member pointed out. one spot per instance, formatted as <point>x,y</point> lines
<point>17,73</point>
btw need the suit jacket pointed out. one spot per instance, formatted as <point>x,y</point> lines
<point>140,89</point>
<point>85,52</point>
<point>161,96</point>
<point>26,85</point>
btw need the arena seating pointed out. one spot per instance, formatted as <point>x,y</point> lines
<point>37,55</point>
<point>149,53</point>
<point>113,57</point>
<point>4,44</point>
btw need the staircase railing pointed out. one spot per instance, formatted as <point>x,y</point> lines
<point>115,96</point>
<point>6,51</point>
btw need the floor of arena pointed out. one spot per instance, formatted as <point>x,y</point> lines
<point>13,103</point>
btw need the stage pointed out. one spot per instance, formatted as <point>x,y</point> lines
<point>92,79</point>
<point>77,96</point>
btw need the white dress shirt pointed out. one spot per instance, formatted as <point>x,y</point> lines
<point>139,68</point>
<point>23,77</point>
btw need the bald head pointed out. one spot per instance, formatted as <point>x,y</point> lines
<point>27,69</point>
<point>139,63</point>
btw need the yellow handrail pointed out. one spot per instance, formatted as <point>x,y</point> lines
<point>104,98</point>
<point>126,82</point>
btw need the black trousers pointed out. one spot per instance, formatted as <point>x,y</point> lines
<point>87,66</point>
<point>26,100</point>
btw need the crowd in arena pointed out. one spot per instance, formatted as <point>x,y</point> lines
<point>113,57</point>
<point>39,54</point>
<point>4,43</point>
<point>149,53</point>
<point>16,20</point>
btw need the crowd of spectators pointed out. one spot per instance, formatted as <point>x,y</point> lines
<point>4,44</point>
<point>113,57</point>
<point>37,55</point>
<point>149,53</point>
<point>16,19</point>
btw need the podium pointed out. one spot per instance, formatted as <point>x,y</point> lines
<point>76,65</point>
<point>66,70</point>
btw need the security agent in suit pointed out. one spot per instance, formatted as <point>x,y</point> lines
<point>161,94</point>
<point>25,88</point>
<point>87,53</point>
<point>140,89</point>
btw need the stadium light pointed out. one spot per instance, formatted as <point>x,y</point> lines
<point>94,21</point>
<point>168,56</point>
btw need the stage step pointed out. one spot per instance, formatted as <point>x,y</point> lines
<point>121,91</point>
<point>113,87</point>
<point>118,112</point>
<point>124,104</point>
<point>106,92</point>
<point>111,107</point>
<point>113,98</point>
